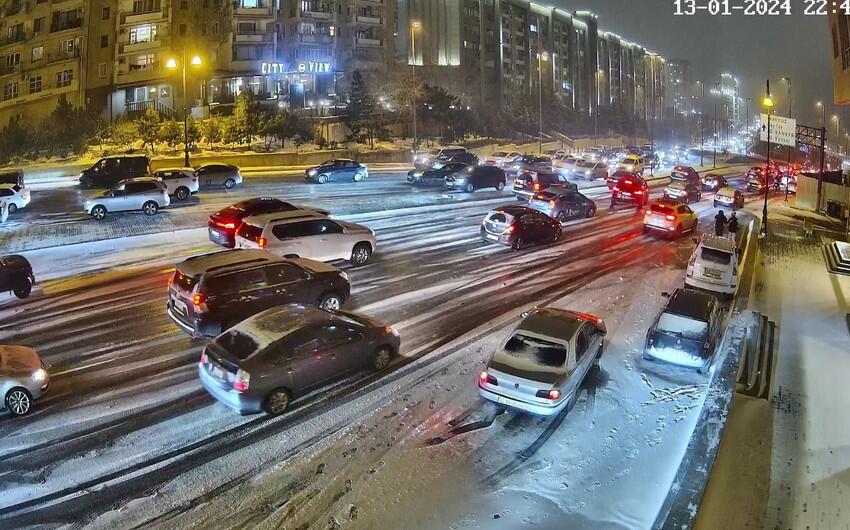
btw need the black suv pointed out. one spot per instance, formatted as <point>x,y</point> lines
<point>16,275</point>
<point>686,331</point>
<point>211,293</point>
<point>109,171</point>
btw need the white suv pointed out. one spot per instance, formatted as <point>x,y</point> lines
<point>180,182</point>
<point>714,266</point>
<point>15,196</point>
<point>307,234</point>
<point>147,194</point>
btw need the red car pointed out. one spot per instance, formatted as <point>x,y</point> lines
<point>630,189</point>
<point>223,224</point>
<point>615,177</point>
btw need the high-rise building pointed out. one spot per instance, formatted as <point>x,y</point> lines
<point>678,86</point>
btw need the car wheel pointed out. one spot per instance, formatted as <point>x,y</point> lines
<point>229,183</point>
<point>518,244</point>
<point>18,401</point>
<point>381,358</point>
<point>360,254</point>
<point>22,287</point>
<point>182,193</point>
<point>98,212</point>
<point>556,235</point>
<point>331,301</point>
<point>591,212</point>
<point>276,402</point>
<point>500,186</point>
<point>86,182</point>
<point>358,177</point>
<point>322,179</point>
<point>12,208</point>
<point>469,188</point>
<point>150,208</point>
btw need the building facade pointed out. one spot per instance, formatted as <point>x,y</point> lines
<point>839,29</point>
<point>678,86</point>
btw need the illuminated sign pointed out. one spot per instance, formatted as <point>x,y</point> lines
<point>314,67</point>
<point>272,68</point>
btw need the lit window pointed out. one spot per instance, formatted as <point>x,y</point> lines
<point>146,33</point>
<point>37,53</point>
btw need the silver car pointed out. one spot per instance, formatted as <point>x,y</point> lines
<point>23,378</point>
<point>541,366</point>
<point>147,194</point>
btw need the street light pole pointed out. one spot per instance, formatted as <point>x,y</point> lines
<point>541,56</point>
<point>714,135</point>
<point>788,168</point>
<point>185,114</point>
<point>415,25</point>
<point>767,102</point>
<point>701,122</point>
<point>747,133</point>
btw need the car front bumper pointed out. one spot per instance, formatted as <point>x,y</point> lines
<point>243,403</point>
<point>533,408</point>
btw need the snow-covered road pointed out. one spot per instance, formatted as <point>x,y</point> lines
<point>127,435</point>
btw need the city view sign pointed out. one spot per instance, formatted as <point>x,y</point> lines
<point>303,67</point>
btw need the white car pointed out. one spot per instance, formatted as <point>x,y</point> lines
<point>713,266</point>
<point>307,234</point>
<point>501,158</point>
<point>180,182</point>
<point>590,170</point>
<point>147,194</point>
<point>15,197</point>
<point>565,163</point>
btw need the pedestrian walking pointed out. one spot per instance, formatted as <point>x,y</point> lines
<point>4,212</point>
<point>733,229</point>
<point>720,223</point>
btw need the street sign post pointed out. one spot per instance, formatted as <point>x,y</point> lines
<point>783,131</point>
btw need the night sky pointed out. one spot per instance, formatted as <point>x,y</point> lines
<point>752,48</point>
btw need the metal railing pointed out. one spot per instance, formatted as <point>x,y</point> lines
<point>135,108</point>
<point>67,24</point>
<point>57,57</point>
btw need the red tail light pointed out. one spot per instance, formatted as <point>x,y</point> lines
<point>536,186</point>
<point>638,192</point>
<point>199,299</point>
<point>509,229</point>
<point>170,280</point>
<point>671,217</point>
<point>243,380</point>
<point>554,393</point>
<point>263,242</point>
<point>485,378</point>
<point>227,225</point>
<point>203,360</point>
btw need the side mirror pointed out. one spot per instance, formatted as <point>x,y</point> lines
<point>665,294</point>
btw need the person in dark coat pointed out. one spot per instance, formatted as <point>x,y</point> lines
<point>733,228</point>
<point>719,223</point>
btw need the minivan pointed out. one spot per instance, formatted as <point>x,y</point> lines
<point>713,266</point>
<point>110,170</point>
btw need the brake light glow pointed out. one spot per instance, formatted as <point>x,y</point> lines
<point>198,299</point>
<point>670,217</point>
<point>227,225</point>
<point>554,393</point>
<point>170,280</point>
<point>263,242</point>
<point>243,380</point>
<point>485,378</point>
<point>509,229</point>
<point>551,203</point>
<point>203,360</point>
<point>536,186</point>
<point>638,192</point>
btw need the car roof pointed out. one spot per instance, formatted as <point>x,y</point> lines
<point>181,169</point>
<point>140,179</point>
<point>247,203</point>
<point>666,202</point>
<point>292,215</point>
<point>559,324</point>
<point>514,210</point>
<point>690,303</point>
<point>277,322</point>
<point>16,358</point>
<point>224,260</point>
<point>717,243</point>
<point>726,190</point>
<point>127,156</point>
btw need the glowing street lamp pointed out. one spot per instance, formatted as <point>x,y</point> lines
<point>171,64</point>
<point>415,26</point>
<point>541,57</point>
<point>767,103</point>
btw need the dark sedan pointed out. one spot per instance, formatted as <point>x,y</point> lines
<point>472,178</point>
<point>519,226</point>
<point>285,352</point>
<point>337,170</point>
<point>563,204</point>
<point>16,275</point>
<point>222,225</point>
<point>434,176</point>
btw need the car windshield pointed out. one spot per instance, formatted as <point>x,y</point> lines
<point>499,154</point>
<point>682,327</point>
<point>712,255</point>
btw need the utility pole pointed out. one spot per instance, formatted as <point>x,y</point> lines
<point>415,25</point>
<point>788,168</point>
<point>767,102</point>
<point>541,56</point>
<point>701,122</point>
<point>747,134</point>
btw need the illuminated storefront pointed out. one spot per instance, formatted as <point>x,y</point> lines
<point>304,84</point>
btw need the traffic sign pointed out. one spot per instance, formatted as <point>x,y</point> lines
<point>783,131</point>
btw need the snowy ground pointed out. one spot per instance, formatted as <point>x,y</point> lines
<point>126,434</point>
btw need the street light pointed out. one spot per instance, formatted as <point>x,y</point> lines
<point>701,121</point>
<point>541,57</point>
<point>714,128</point>
<point>837,119</point>
<point>172,64</point>
<point>767,103</point>
<point>414,27</point>
<point>596,114</point>
<point>749,132</point>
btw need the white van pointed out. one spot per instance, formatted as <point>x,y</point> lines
<point>714,266</point>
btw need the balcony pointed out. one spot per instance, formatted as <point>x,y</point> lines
<point>319,15</point>
<point>10,69</point>
<point>133,73</point>
<point>369,19</point>
<point>315,39</point>
<point>18,37</point>
<point>139,46</point>
<point>367,41</point>
<point>142,16</point>
<point>263,11</point>
<point>13,9</point>
<point>58,57</point>
<point>256,36</point>
<point>66,25</point>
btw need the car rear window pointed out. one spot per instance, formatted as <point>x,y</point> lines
<point>232,211</point>
<point>713,255</point>
<point>250,232</point>
<point>237,344</point>
<point>657,208</point>
<point>184,281</point>
<point>682,326</point>
<point>542,353</point>
<point>500,153</point>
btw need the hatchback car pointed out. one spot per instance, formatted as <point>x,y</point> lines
<point>111,170</point>
<point>268,360</point>
<point>756,182</point>
<point>730,197</point>
<point>630,190</point>
<point>563,204</point>
<point>340,170</point>
<point>713,266</point>
<point>544,362</point>
<point>434,176</point>
<point>519,226</point>
<point>15,197</point>
<point>683,192</point>
<point>669,217</point>
<point>222,225</point>
<point>590,170</point>
<point>181,183</point>
<point>529,183</point>
<point>16,275</point>
<point>306,234</point>
<point>615,177</point>
<point>686,331</point>
<point>216,175</point>
<point>632,164</point>
<point>713,182</point>
<point>472,178</point>
<point>210,293</point>
<point>146,194</point>
<point>23,378</point>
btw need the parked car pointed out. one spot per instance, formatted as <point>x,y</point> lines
<point>543,363</point>
<point>16,275</point>
<point>146,194</point>
<point>630,189</point>
<point>433,177</point>
<point>470,159</point>
<point>501,159</point>
<point>427,158</point>
<point>590,170</point>
<point>337,170</point>
<point>519,226</point>
<point>632,163</point>
<point>531,163</point>
<point>616,176</point>
<point>683,192</point>
<point>223,224</point>
<point>686,331</point>
<point>713,182</point>
<point>670,218</point>
<point>111,170</point>
<point>215,175</point>
<point>15,197</point>
<point>23,378</point>
<point>686,174</point>
<point>180,182</point>
<point>563,204</point>
<point>211,293</point>
<point>307,234</point>
<point>472,178</point>
<point>266,361</point>
<point>529,183</point>
<point>713,266</point>
<point>729,196</point>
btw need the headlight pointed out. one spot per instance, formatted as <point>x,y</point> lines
<point>312,172</point>
<point>516,166</point>
<point>343,275</point>
<point>391,330</point>
<point>39,375</point>
<point>417,174</point>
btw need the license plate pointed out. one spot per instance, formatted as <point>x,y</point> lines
<point>712,273</point>
<point>626,194</point>
<point>218,372</point>
<point>178,304</point>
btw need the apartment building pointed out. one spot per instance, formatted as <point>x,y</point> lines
<point>42,52</point>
